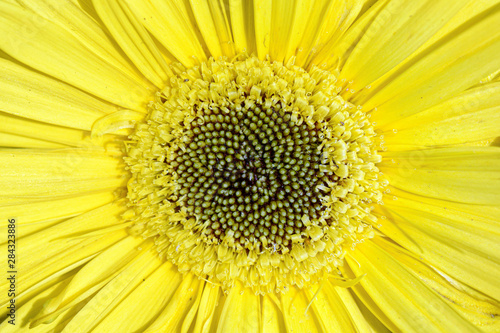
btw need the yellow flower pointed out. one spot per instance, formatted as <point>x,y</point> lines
<point>250,166</point>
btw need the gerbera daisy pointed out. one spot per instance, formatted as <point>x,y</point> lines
<point>250,166</point>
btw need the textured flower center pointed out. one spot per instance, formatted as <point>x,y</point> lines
<point>251,174</point>
<point>253,171</point>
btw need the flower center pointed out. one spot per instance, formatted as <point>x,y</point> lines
<point>253,171</point>
<point>251,174</point>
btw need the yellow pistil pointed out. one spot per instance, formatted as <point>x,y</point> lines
<point>255,171</point>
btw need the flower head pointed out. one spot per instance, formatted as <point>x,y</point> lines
<point>223,166</point>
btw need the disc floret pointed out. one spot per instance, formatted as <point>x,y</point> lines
<point>253,170</point>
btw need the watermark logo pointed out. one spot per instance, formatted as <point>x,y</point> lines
<point>11,271</point>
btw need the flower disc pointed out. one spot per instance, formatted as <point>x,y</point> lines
<point>253,171</point>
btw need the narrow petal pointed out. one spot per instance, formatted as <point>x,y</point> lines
<point>58,266</point>
<point>186,297</point>
<point>35,215</point>
<point>173,25</point>
<point>331,299</point>
<point>468,52</point>
<point>482,218</point>
<point>35,96</point>
<point>336,48</point>
<point>219,306</point>
<point>56,52</point>
<point>299,28</point>
<point>399,29</point>
<point>363,319</point>
<point>242,25</point>
<point>328,20</point>
<point>67,250</point>
<point>58,172</point>
<point>470,10</point>
<point>17,141</point>
<point>272,318</point>
<point>213,18</point>
<point>481,310</point>
<point>136,312</point>
<point>80,20</point>
<point>370,315</point>
<point>115,291</point>
<point>262,22</point>
<point>468,174</point>
<point>408,302</point>
<point>294,304</point>
<point>68,137</point>
<point>85,283</point>
<point>289,19</point>
<point>210,300</point>
<point>241,309</point>
<point>24,313</point>
<point>463,245</point>
<point>134,40</point>
<point>469,117</point>
<point>116,123</point>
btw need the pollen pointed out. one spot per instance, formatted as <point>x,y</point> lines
<point>254,171</point>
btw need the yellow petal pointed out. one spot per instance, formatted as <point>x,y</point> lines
<point>272,318</point>
<point>400,28</point>
<point>52,50</point>
<point>361,318</point>
<point>480,311</point>
<point>241,311</point>
<point>467,174</point>
<point>293,305</point>
<point>44,272</point>
<point>25,312</point>
<point>327,21</point>
<point>370,317</point>
<point>115,291</point>
<point>134,40</point>
<point>373,314</point>
<point>109,263</point>
<point>146,302</point>
<point>61,252</point>
<point>468,53</point>
<point>35,215</point>
<point>210,299</point>
<point>262,21</point>
<point>327,301</point>
<point>58,172</point>
<point>408,302</point>
<point>472,9</point>
<point>289,19</point>
<point>211,16</point>
<point>242,25</point>
<point>35,96</point>
<point>42,131</point>
<point>456,243</point>
<point>219,306</point>
<point>80,20</point>
<point>170,23</point>
<point>114,122</point>
<point>351,28</point>
<point>18,141</point>
<point>471,116</point>
<point>467,12</point>
<point>481,217</point>
<point>187,296</point>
